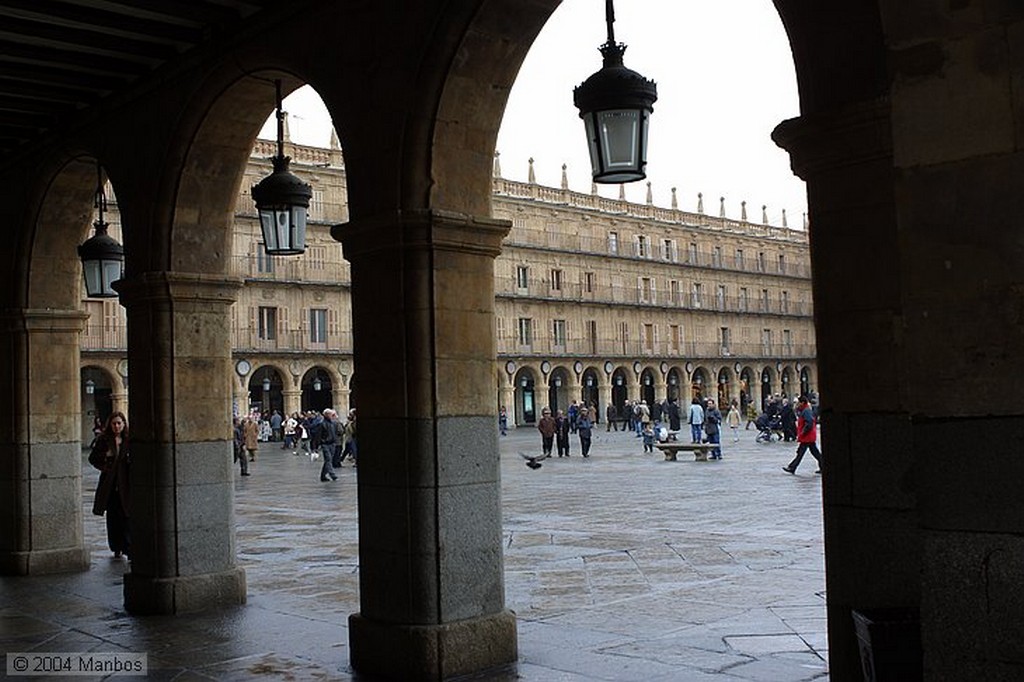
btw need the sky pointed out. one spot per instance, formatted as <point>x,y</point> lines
<point>725,79</point>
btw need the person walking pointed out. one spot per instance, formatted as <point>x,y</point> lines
<point>275,426</point>
<point>563,427</point>
<point>111,454</point>
<point>546,426</point>
<point>328,433</point>
<point>350,446</point>
<point>712,427</point>
<point>503,420</point>
<point>610,414</point>
<point>574,415</point>
<point>732,419</point>
<point>696,421</point>
<point>806,436</point>
<point>751,416</point>
<point>251,437</point>
<point>239,438</point>
<point>583,428</point>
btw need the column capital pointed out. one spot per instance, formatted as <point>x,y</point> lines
<point>178,286</point>
<point>43,320</point>
<point>421,229</point>
<point>827,141</point>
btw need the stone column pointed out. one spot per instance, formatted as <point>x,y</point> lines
<point>508,397</point>
<point>119,401</point>
<point>292,402</point>
<point>869,504</point>
<point>604,397</point>
<point>41,520</point>
<point>182,516</point>
<point>430,552</point>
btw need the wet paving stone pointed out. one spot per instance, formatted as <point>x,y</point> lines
<point>619,567</point>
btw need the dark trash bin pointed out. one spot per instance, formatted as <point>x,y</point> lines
<point>890,644</point>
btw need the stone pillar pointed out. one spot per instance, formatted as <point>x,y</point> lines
<point>119,401</point>
<point>604,397</point>
<point>239,394</point>
<point>182,517</point>
<point>868,485</point>
<point>431,568</point>
<point>508,397</point>
<point>292,402</point>
<point>41,520</point>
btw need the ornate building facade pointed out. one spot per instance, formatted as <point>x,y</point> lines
<point>596,300</point>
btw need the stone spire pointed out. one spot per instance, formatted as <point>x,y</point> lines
<point>700,203</point>
<point>784,223</point>
<point>764,214</point>
<point>650,197</point>
<point>721,207</point>
<point>335,142</point>
<point>287,135</point>
<point>622,191</point>
<point>675,200</point>
<point>531,177</point>
<point>743,211</point>
<point>565,177</point>
<point>497,164</point>
<point>805,222</point>
<point>593,188</point>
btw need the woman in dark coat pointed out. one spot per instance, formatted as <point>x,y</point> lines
<point>111,455</point>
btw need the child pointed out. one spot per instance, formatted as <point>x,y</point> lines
<point>648,437</point>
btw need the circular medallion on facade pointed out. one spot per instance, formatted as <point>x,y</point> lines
<point>122,367</point>
<point>242,367</point>
<point>510,367</point>
<point>577,367</point>
<point>545,367</point>
<point>608,367</point>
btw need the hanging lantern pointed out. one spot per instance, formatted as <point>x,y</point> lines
<point>102,256</point>
<point>615,104</point>
<point>282,200</point>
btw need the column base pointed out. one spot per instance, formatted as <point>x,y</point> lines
<point>41,562</point>
<point>146,596</point>
<point>432,652</point>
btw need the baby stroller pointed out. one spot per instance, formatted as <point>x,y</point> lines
<point>768,428</point>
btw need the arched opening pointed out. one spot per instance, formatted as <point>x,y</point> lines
<point>589,392</point>
<point>558,390</point>
<point>97,388</point>
<point>699,384</point>
<point>527,410</point>
<point>647,386</point>
<point>317,390</point>
<point>620,392</point>
<point>265,391</point>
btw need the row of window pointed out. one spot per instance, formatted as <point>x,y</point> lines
<point>649,332</point>
<point>668,251</point>
<point>647,291</point>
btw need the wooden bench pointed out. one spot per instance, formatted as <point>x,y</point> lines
<point>700,450</point>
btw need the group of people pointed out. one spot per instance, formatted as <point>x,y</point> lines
<point>321,435</point>
<point>555,430</point>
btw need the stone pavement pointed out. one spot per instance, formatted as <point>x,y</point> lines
<point>619,567</point>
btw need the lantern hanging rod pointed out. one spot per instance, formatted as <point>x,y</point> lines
<point>101,197</point>
<point>280,118</point>
<point>609,15</point>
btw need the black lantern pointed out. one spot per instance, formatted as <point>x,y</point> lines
<point>615,104</point>
<point>317,384</point>
<point>282,200</point>
<point>102,256</point>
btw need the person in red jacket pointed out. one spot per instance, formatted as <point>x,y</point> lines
<point>806,436</point>
<point>546,426</point>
